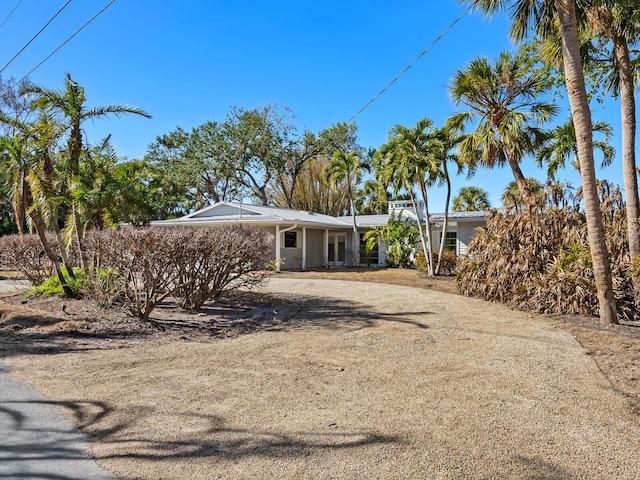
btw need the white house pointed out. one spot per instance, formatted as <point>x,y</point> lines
<point>312,240</point>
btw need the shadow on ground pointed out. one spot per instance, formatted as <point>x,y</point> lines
<point>28,332</point>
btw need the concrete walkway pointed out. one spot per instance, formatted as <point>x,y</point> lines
<point>36,442</point>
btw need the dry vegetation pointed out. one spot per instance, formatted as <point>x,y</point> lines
<point>329,384</point>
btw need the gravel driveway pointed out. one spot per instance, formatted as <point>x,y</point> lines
<point>360,380</point>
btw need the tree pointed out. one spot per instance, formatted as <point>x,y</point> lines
<point>542,16</point>
<point>69,105</point>
<point>407,160</point>
<point>256,147</point>
<point>348,167</point>
<point>561,145</point>
<point>620,23</point>
<point>372,198</point>
<point>512,195</point>
<point>503,98</point>
<point>471,199</point>
<point>444,141</point>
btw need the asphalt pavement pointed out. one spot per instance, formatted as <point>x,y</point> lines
<point>36,442</point>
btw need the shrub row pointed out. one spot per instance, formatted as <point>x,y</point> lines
<point>140,268</point>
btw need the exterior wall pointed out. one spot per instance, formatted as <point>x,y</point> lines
<point>466,232</point>
<point>315,248</point>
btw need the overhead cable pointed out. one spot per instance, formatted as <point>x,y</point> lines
<point>65,42</point>
<point>10,13</point>
<point>410,65</point>
<point>35,36</point>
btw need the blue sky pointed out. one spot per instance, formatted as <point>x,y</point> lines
<point>188,62</point>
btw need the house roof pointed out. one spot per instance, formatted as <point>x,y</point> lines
<point>235,213</point>
<point>229,213</point>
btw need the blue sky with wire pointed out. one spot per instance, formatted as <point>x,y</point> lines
<point>189,62</point>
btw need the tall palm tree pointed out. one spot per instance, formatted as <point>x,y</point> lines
<point>349,168</point>
<point>14,166</point>
<point>407,160</point>
<point>471,199</point>
<point>503,98</point>
<point>444,141</point>
<point>70,107</point>
<point>561,145</point>
<point>620,23</point>
<point>542,17</point>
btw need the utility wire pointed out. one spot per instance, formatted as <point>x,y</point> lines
<point>35,36</point>
<point>10,13</point>
<point>410,65</point>
<point>65,42</point>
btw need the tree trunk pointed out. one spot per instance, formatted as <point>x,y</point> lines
<point>41,231</point>
<point>429,252</point>
<point>422,240</point>
<point>446,216</point>
<point>628,110</point>
<point>574,79</point>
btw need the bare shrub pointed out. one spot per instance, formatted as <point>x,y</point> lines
<point>216,260</point>
<point>539,259</point>
<point>138,266</point>
<point>26,255</point>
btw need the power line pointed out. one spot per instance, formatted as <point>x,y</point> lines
<point>65,42</point>
<point>446,30</point>
<point>35,36</point>
<point>10,13</point>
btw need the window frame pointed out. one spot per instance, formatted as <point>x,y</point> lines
<point>288,236</point>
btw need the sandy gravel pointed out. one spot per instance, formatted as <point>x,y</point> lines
<point>359,380</point>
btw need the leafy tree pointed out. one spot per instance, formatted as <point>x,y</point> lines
<point>471,199</point>
<point>542,17</point>
<point>348,168</point>
<point>372,199</point>
<point>400,239</point>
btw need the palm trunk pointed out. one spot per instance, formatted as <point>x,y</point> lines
<point>429,252</point>
<point>422,240</point>
<point>628,109</point>
<point>574,79</point>
<point>445,222</point>
<point>41,230</point>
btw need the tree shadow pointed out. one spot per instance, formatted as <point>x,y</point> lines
<point>237,314</point>
<point>213,439</point>
<point>539,469</point>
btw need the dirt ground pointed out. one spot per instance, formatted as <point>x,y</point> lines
<point>370,374</point>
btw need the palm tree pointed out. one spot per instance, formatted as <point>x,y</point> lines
<point>512,195</point>
<point>503,100</point>
<point>471,199</point>
<point>445,139</point>
<point>349,168</point>
<point>14,166</point>
<point>69,105</point>
<point>542,17</point>
<point>407,160</point>
<point>561,145</point>
<point>372,198</point>
<point>620,23</point>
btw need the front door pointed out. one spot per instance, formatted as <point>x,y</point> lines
<point>337,250</point>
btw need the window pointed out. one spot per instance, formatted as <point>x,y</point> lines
<point>290,239</point>
<point>451,241</point>
<point>366,256</point>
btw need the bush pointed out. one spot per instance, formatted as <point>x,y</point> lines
<point>26,255</point>
<point>142,267</point>
<point>217,260</point>
<point>448,262</point>
<point>539,259</point>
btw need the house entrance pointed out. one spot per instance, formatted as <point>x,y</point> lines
<point>337,250</point>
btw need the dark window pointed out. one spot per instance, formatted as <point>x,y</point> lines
<point>450,241</point>
<point>370,257</point>
<point>290,239</point>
